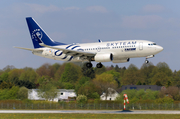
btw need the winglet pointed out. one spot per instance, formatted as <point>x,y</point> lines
<point>100,40</point>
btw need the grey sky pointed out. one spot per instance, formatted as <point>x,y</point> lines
<point>83,21</point>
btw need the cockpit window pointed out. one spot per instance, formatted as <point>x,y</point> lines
<point>150,44</point>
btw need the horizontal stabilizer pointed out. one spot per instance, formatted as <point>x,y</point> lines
<point>28,49</point>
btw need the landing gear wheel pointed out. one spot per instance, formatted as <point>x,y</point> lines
<point>146,61</point>
<point>99,65</point>
<point>89,65</point>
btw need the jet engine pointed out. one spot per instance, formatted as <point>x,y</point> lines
<point>102,57</point>
<point>121,60</point>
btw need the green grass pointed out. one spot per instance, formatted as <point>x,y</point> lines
<point>89,116</point>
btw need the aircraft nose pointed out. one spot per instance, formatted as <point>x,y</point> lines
<point>159,48</point>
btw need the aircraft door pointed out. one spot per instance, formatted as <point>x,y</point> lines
<point>141,46</point>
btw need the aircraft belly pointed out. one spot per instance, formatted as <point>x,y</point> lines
<point>124,54</point>
<point>144,53</point>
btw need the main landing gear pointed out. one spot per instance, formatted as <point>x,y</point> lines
<point>98,65</point>
<point>150,56</point>
<point>89,65</point>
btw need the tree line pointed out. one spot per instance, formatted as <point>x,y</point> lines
<point>91,82</point>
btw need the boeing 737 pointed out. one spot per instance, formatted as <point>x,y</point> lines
<point>112,51</point>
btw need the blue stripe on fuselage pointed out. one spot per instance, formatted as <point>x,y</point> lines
<point>69,46</point>
<point>59,54</point>
<point>66,48</point>
<point>70,58</point>
<point>74,47</point>
<point>64,57</point>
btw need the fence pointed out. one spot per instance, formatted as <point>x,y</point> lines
<point>91,106</point>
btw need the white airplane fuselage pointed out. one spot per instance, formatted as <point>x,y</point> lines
<point>120,49</point>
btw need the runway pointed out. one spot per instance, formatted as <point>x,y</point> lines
<point>94,111</point>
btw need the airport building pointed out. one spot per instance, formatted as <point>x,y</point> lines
<point>63,95</point>
<point>138,87</point>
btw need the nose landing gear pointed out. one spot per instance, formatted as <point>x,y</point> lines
<point>150,56</point>
<point>147,61</point>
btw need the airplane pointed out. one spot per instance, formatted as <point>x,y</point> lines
<point>112,51</point>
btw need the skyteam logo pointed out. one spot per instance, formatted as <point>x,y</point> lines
<point>38,33</point>
<point>66,57</point>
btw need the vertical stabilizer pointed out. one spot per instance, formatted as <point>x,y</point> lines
<point>36,31</point>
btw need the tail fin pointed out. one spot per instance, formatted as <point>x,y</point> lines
<point>36,31</point>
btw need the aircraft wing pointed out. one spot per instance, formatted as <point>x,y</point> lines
<point>74,53</point>
<point>71,52</point>
<point>28,49</point>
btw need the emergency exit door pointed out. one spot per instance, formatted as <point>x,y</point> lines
<point>141,46</point>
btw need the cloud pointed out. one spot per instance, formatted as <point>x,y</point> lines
<point>146,21</point>
<point>153,9</point>
<point>100,9</point>
<point>71,8</point>
<point>29,9</point>
<point>42,8</point>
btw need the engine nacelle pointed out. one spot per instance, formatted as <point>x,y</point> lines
<point>102,57</point>
<point>121,60</point>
